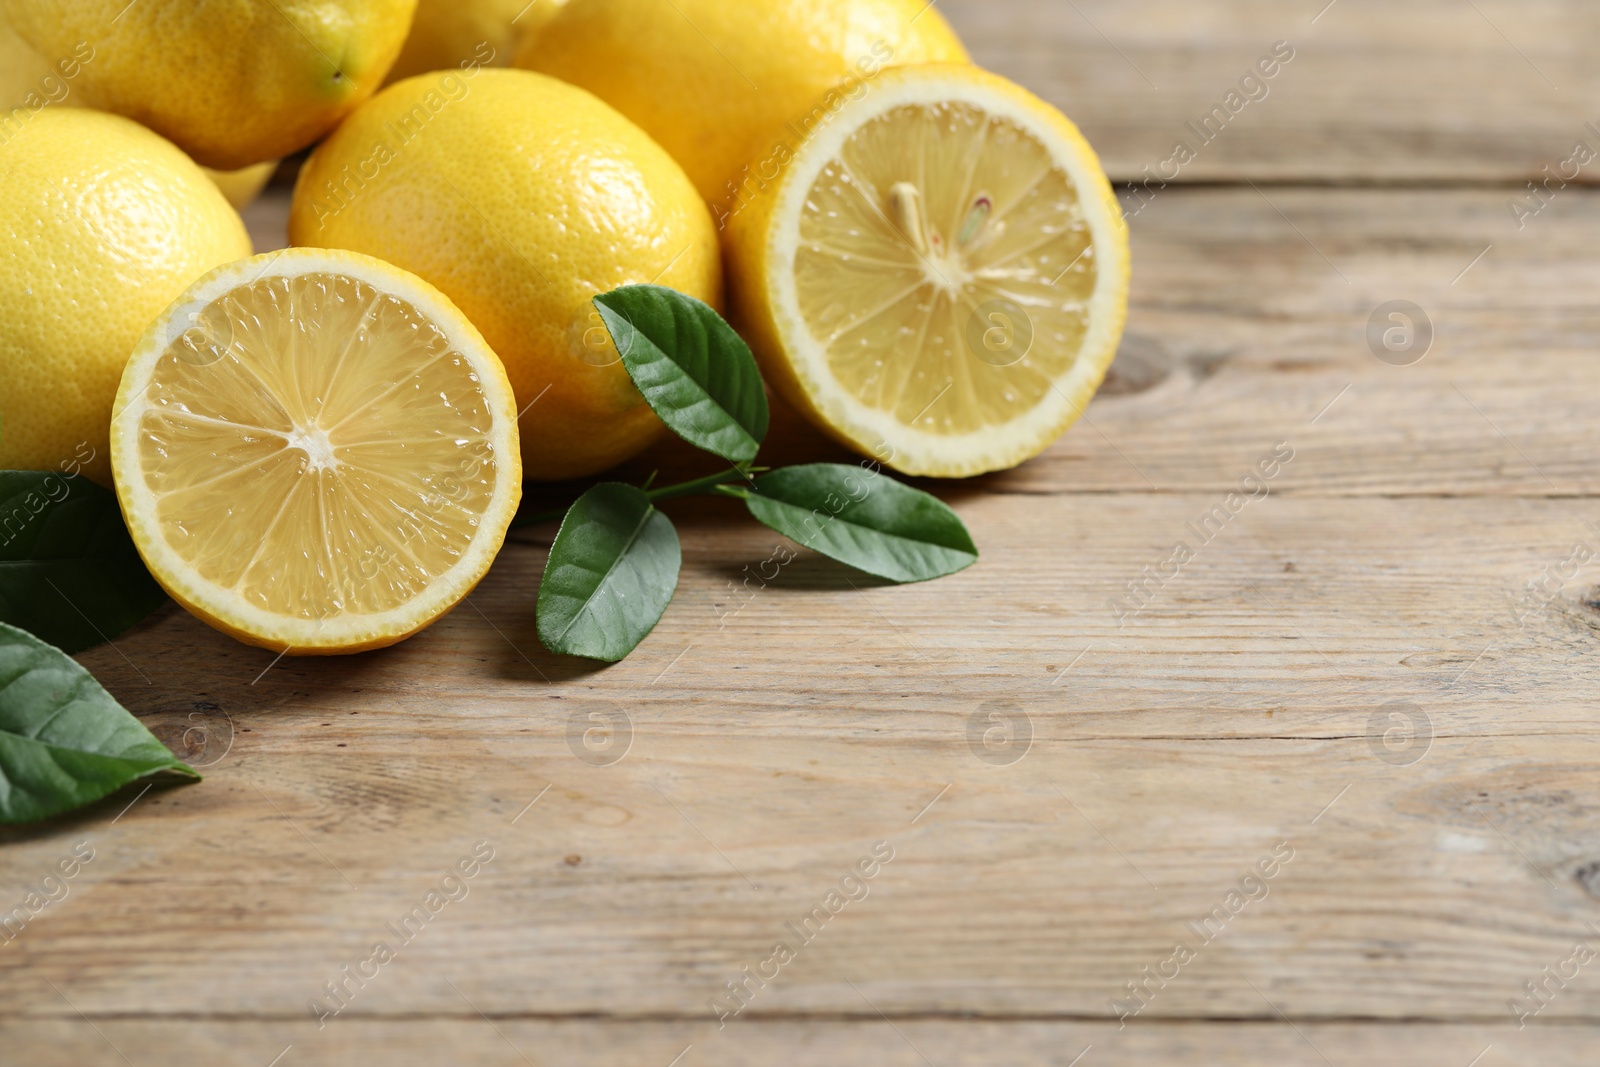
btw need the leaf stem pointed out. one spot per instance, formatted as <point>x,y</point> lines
<point>709,484</point>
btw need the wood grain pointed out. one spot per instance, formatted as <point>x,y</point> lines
<point>471,1039</point>
<point>1427,91</point>
<point>768,756</point>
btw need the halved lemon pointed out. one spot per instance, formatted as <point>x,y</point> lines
<point>938,274</point>
<point>316,452</point>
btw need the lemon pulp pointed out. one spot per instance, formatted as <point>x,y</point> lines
<point>945,267</point>
<point>316,447</point>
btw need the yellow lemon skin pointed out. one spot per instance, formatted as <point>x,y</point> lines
<point>232,83</point>
<point>448,33</point>
<point>521,198</point>
<point>717,81</point>
<point>102,224</point>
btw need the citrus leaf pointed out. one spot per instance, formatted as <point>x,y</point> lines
<point>695,372</point>
<point>864,519</point>
<point>68,570</point>
<point>611,574</point>
<point>64,742</point>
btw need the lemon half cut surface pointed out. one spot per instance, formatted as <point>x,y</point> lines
<point>939,276</point>
<point>316,452</point>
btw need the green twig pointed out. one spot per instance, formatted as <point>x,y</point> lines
<point>709,484</point>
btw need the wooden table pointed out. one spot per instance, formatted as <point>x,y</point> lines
<point>1370,681</point>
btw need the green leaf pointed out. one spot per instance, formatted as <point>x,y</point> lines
<point>695,372</point>
<point>68,569</point>
<point>612,571</point>
<point>64,742</point>
<point>863,518</point>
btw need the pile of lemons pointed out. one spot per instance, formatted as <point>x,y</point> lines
<point>927,260</point>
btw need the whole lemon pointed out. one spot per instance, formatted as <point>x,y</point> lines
<point>521,198</point>
<point>448,33</point>
<point>232,83</point>
<point>102,225</point>
<point>718,81</point>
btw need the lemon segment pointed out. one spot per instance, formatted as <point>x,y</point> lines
<point>940,276</point>
<point>316,452</point>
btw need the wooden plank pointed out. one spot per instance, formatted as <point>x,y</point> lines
<point>1426,91</point>
<point>767,759</point>
<point>470,1039</point>
<point>1252,312</point>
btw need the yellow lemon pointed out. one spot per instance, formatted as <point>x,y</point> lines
<point>521,198</point>
<point>718,82</point>
<point>102,224</point>
<point>232,84</point>
<point>449,33</point>
<point>316,452</point>
<point>939,275</point>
